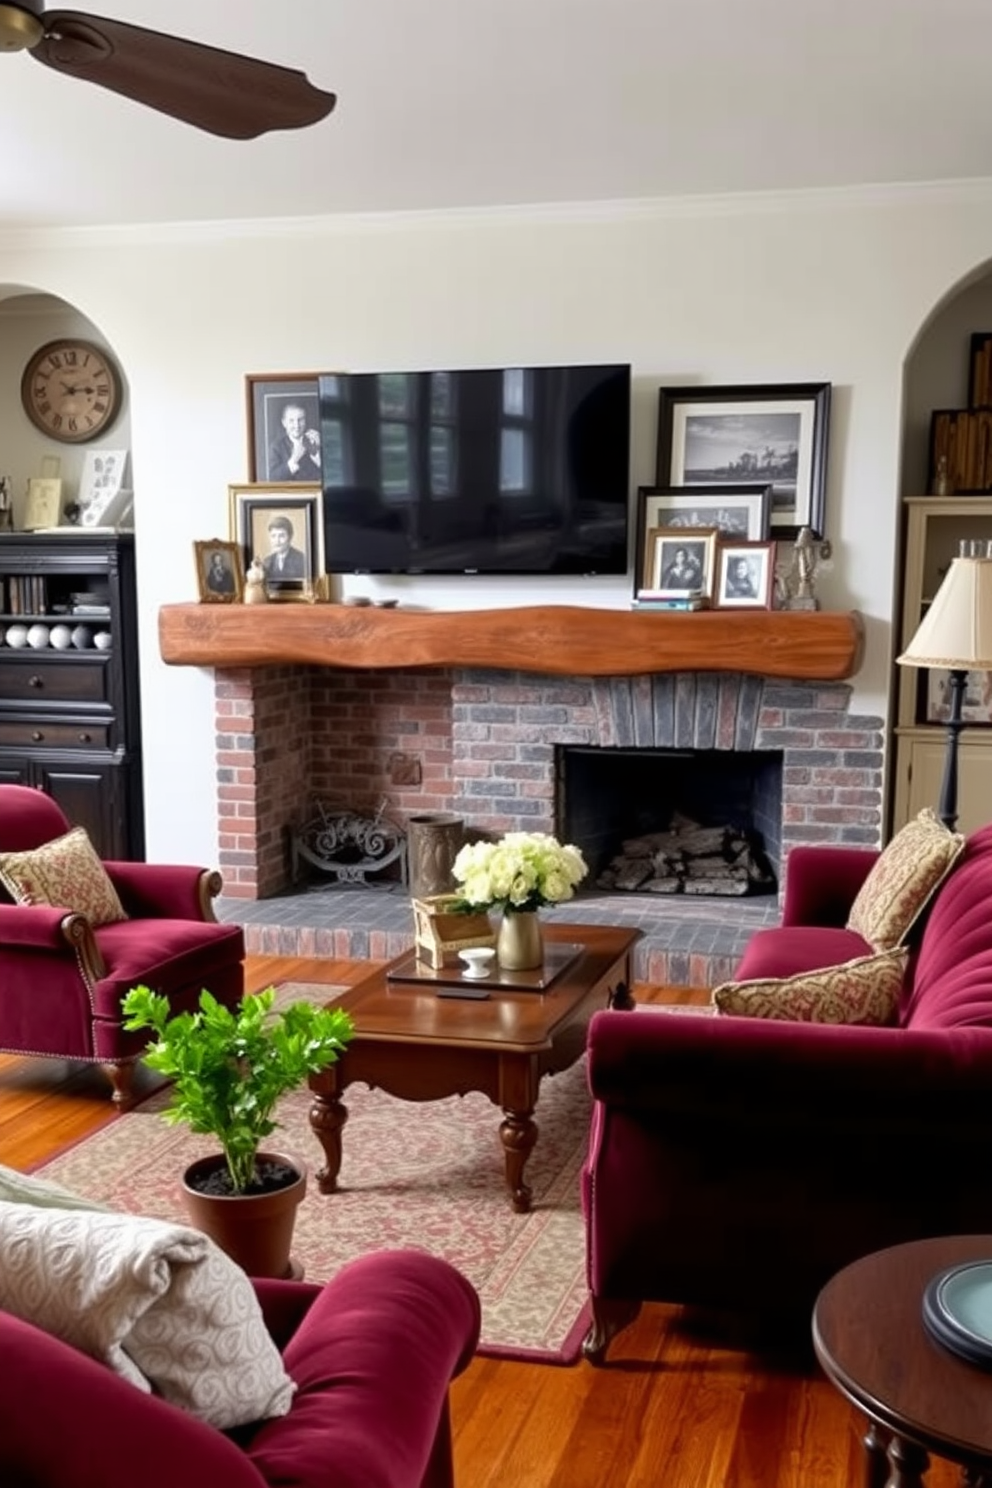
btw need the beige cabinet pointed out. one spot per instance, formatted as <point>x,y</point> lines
<point>920,754</point>
<point>935,528</point>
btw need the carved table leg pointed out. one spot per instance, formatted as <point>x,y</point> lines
<point>327,1118</point>
<point>876,1444</point>
<point>518,1133</point>
<point>908,1462</point>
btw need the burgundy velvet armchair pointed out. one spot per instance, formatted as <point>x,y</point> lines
<point>63,979</point>
<point>372,1354</point>
<point>737,1163</point>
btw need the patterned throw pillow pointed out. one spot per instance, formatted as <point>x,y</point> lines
<point>159,1303</point>
<point>862,991</point>
<point>66,873</point>
<point>901,883</point>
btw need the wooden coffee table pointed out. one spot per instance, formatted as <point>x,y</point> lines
<point>418,1046</point>
<point>919,1397</point>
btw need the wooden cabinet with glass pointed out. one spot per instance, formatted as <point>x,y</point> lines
<point>69,701</point>
<point>935,528</point>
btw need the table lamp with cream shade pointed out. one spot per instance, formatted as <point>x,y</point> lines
<point>956,634</point>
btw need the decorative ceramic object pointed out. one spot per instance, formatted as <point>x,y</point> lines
<point>478,960</point>
<point>255,583</point>
<point>60,637</point>
<point>17,636</point>
<point>82,637</point>
<point>103,640</point>
<point>38,637</point>
<point>519,944</point>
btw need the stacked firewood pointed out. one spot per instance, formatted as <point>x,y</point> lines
<point>688,858</point>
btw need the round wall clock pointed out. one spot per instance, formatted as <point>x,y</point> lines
<point>71,390</point>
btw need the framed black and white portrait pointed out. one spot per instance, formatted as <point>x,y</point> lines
<point>679,562</point>
<point>283,427</point>
<point>772,434</point>
<point>280,526</point>
<point>745,575</point>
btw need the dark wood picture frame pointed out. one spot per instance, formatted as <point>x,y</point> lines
<point>728,430</point>
<point>267,396</point>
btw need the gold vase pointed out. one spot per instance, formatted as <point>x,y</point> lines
<point>519,946</point>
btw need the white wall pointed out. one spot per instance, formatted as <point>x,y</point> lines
<point>808,287</point>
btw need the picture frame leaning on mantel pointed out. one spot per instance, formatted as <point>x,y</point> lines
<point>776,433</point>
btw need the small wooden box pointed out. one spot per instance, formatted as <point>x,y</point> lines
<point>440,933</point>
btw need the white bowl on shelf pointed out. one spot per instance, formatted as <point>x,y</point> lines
<point>61,637</point>
<point>478,960</point>
<point>17,636</point>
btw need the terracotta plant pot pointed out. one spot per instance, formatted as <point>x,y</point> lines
<point>255,1230</point>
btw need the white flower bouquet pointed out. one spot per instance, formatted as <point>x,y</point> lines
<point>522,871</point>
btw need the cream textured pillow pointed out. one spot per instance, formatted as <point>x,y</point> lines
<point>66,873</point>
<point>862,991</point>
<point>159,1303</point>
<point>903,879</point>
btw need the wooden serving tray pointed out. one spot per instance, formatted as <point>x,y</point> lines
<point>558,955</point>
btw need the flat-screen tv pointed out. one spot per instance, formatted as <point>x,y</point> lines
<point>509,470</point>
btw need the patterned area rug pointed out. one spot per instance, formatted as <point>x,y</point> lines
<point>425,1175</point>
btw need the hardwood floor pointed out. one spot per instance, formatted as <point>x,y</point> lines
<point>675,1406</point>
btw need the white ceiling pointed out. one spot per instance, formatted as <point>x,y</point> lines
<point>473,103</point>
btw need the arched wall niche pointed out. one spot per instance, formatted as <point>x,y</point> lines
<point>29,317</point>
<point>935,372</point>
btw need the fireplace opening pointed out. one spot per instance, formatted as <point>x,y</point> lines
<point>688,812</point>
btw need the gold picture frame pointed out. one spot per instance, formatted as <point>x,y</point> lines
<point>219,572</point>
<point>679,562</point>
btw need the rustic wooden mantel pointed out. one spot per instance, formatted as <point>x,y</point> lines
<point>557,640</point>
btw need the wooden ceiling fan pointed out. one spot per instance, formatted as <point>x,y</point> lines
<point>221,92</point>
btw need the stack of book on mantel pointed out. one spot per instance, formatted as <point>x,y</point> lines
<point>655,599</point>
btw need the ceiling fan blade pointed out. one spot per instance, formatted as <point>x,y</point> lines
<point>222,92</point>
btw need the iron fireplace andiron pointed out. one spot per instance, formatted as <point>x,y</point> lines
<point>353,849</point>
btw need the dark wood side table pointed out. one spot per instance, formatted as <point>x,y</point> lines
<point>919,1397</point>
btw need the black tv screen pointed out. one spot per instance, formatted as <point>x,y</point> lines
<point>508,470</point>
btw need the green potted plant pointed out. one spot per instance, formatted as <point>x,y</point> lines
<point>229,1068</point>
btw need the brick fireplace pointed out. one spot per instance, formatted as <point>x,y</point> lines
<point>482,741</point>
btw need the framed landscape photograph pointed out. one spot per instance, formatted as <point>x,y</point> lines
<point>721,436</point>
<point>281,526</point>
<point>283,427</point>
<point>735,511</point>
<point>679,562</point>
<point>745,575</point>
<point>219,572</point>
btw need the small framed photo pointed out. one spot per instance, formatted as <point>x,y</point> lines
<point>776,434</point>
<point>679,562</point>
<point>740,512</point>
<point>281,527</point>
<point>105,497</point>
<point>283,427</point>
<point>44,504</point>
<point>219,571</point>
<point>745,575</point>
<point>976,705</point>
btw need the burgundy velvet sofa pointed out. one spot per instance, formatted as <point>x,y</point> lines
<point>62,979</point>
<point>737,1163</point>
<point>372,1353</point>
